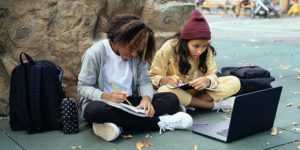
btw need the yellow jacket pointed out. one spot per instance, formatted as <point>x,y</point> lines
<point>162,66</point>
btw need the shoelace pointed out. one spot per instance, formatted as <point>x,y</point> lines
<point>223,107</point>
<point>163,126</point>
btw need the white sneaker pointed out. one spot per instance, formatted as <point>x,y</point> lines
<point>226,105</point>
<point>108,131</point>
<point>182,108</point>
<point>180,120</point>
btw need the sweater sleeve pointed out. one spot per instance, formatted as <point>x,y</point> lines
<point>88,76</point>
<point>159,65</point>
<point>211,71</point>
<point>144,81</point>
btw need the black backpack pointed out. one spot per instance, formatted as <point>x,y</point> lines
<point>252,78</point>
<point>35,96</point>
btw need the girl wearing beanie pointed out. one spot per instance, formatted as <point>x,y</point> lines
<point>189,58</point>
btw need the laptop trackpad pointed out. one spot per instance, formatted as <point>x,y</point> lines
<point>217,130</point>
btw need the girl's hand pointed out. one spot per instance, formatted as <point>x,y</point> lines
<point>200,83</point>
<point>147,106</point>
<point>117,97</point>
<point>171,80</point>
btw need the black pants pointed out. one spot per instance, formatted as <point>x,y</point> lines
<point>163,103</point>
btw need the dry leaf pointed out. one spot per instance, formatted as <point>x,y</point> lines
<point>226,117</point>
<point>127,136</point>
<point>148,136</point>
<point>140,144</point>
<point>289,104</point>
<point>298,78</point>
<point>285,67</point>
<point>274,131</point>
<point>195,147</point>
<point>297,129</point>
<point>76,147</point>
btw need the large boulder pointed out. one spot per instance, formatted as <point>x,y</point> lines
<point>62,30</point>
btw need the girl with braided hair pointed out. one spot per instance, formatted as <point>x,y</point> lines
<point>121,61</point>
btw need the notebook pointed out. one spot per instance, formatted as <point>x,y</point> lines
<point>127,108</point>
<point>186,86</point>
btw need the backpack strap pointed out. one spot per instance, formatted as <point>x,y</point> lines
<point>29,59</point>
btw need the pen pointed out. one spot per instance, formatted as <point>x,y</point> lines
<point>195,75</point>
<point>200,124</point>
<point>115,88</point>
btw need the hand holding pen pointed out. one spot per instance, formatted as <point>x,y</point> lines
<point>171,80</point>
<point>120,94</point>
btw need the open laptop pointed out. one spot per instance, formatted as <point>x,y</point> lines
<point>252,113</point>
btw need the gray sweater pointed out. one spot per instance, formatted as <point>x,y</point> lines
<point>90,83</point>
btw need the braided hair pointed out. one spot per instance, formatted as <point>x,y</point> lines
<point>130,30</point>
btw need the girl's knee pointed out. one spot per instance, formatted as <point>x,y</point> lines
<point>236,83</point>
<point>172,98</point>
<point>163,89</point>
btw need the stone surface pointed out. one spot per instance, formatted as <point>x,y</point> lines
<point>4,88</point>
<point>61,30</point>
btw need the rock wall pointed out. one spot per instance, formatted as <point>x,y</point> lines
<point>61,31</point>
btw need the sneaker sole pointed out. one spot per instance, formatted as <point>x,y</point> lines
<point>106,131</point>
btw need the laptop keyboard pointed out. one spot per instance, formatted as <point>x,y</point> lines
<point>223,132</point>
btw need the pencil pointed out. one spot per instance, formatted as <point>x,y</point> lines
<point>173,67</point>
<point>115,88</point>
<point>200,124</point>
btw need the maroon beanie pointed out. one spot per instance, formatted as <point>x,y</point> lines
<point>195,27</point>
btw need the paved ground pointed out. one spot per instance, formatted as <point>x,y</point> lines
<point>271,43</point>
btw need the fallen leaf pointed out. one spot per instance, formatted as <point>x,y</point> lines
<point>76,147</point>
<point>289,104</point>
<point>4,118</point>
<point>195,147</point>
<point>295,93</point>
<point>148,136</point>
<point>226,117</point>
<point>274,131</point>
<point>127,136</point>
<point>285,67</point>
<point>297,129</point>
<point>275,41</point>
<point>298,78</point>
<point>140,144</point>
